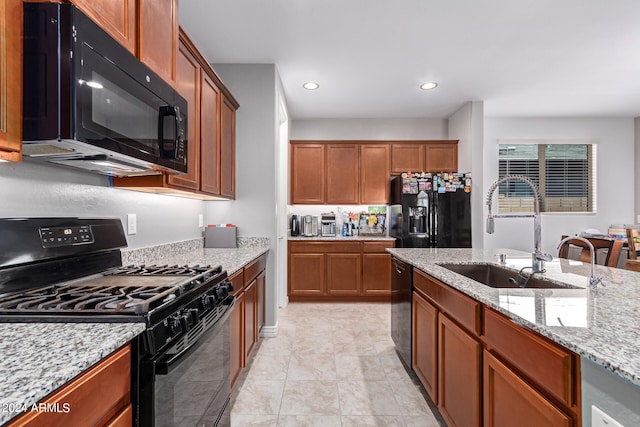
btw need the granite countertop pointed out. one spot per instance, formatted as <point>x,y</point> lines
<point>231,259</point>
<point>38,358</point>
<point>602,324</point>
<point>342,238</point>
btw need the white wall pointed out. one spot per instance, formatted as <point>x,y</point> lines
<point>254,210</point>
<point>637,170</point>
<point>369,129</point>
<point>467,126</point>
<point>28,189</point>
<point>615,176</point>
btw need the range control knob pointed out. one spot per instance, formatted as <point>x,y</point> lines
<point>175,325</point>
<point>207,302</point>
<point>222,292</point>
<point>192,313</point>
<point>184,321</point>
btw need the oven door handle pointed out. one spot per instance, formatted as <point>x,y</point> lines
<point>166,363</point>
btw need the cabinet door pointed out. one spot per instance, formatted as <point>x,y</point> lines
<point>306,274</point>
<point>342,173</point>
<point>209,136</point>
<point>407,158</point>
<point>158,36</point>
<point>307,173</point>
<point>441,157</point>
<point>375,169</point>
<point>262,299</point>
<point>123,419</point>
<point>236,322</point>
<point>344,273</point>
<point>116,17</point>
<point>11,80</point>
<point>250,318</point>
<point>459,368</point>
<point>376,274</point>
<point>510,401</point>
<point>188,85</point>
<point>227,148</point>
<point>425,344</point>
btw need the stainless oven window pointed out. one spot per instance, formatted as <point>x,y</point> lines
<point>195,389</point>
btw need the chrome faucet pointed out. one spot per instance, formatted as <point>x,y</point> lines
<point>537,257</point>
<point>593,280</point>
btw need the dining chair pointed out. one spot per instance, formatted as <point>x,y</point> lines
<point>612,247</point>
<point>632,235</point>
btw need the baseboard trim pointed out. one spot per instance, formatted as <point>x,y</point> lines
<point>269,331</point>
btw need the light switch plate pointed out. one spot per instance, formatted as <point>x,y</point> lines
<point>132,224</point>
<point>600,419</point>
<point>200,220</point>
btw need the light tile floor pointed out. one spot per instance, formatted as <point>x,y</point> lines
<point>330,365</point>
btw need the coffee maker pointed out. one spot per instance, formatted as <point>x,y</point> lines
<point>295,225</point>
<point>328,225</point>
<point>310,226</point>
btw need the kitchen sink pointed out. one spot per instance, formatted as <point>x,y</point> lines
<point>499,277</point>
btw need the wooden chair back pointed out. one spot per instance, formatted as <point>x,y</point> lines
<point>633,265</point>
<point>612,246</point>
<point>632,233</point>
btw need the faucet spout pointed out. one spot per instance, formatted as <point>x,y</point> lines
<point>537,257</point>
<point>593,279</point>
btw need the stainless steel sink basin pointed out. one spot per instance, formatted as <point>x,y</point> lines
<point>498,277</point>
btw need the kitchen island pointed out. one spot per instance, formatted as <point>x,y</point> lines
<point>600,325</point>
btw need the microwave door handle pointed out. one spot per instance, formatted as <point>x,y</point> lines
<point>168,110</point>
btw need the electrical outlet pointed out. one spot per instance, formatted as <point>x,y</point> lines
<point>200,220</point>
<point>132,224</point>
<point>600,419</point>
<point>638,219</point>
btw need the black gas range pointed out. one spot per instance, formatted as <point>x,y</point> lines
<point>70,270</point>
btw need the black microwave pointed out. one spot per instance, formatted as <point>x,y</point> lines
<point>89,103</point>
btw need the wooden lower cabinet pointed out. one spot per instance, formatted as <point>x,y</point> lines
<point>510,401</point>
<point>343,274</point>
<point>306,274</point>
<point>236,321</point>
<point>249,288</point>
<point>11,80</point>
<point>459,375</point>
<point>340,271</point>
<point>250,317</point>
<point>424,344</point>
<point>99,397</point>
<point>480,368</point>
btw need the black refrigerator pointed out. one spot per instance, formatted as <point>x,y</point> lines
<point>431,210</point>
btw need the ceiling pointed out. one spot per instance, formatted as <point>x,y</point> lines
<point>521,57</point>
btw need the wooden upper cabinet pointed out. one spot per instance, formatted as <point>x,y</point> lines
<point>116,17</point>
<point>209,135</point>
<point>342,173</point>
<point>188,85</point>
<point>158,36</point>
<point>407,158</point>
<point>307,173</point>
<point>441,157</point>
<point>11,80</point>
<point>375,170</point>
<point>228,148</point>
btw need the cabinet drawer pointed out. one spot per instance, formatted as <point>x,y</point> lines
<point>377,246</point>
<point>550,366</point>
<point>237,280</point>
<point>98,394</point>
<point>324,247</point>
<point>254,268</point>
<point>459,306</point>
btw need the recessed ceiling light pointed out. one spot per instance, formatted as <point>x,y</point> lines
<point>310,85</point>
<point>428,85</point>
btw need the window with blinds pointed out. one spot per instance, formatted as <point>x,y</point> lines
<point>564,173</point>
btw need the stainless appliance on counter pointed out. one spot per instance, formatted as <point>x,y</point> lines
<point>91,104</point>
<point>310,226</point>
<point>328,224</point>
<point>70,270</point>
